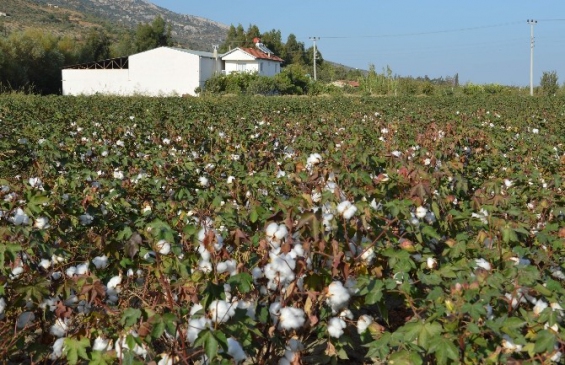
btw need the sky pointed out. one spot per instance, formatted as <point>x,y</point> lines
<point>484,41</point>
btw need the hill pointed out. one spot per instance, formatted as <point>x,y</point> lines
<point>76,17</point>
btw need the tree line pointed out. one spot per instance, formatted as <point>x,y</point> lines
<point>31,60</point>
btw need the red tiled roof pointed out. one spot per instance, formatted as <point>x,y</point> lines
<point>261,55</point>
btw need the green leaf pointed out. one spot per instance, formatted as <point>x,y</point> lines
<point>429,231</point>
<point>74,349</point>
<point>545,341</point>
<point>100,358</point>
<point>443,349</point>
<point>428,331</point>
<point>405,358</point>
<point>158,327</point>
<point>243,282</point>
<point>130,317</point>
<point>253,216</point>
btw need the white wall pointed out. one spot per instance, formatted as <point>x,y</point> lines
<point>90,82</point>
<point>164,72</point>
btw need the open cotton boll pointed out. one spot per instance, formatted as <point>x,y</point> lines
<point>71,271</point>
<point>336,326</point>
<point>59,328</point>
<point>221,311</point>
<point>163,247</point>
<point>219,240</point>
<point>275,311</point>
<point>82,269</point>
<point>235,350</point>
<point>101,344</point>
<point>57,349</point>
<point>509,345</point>
<point>539,307</point>
<point>25,319</point>
<point>19,218</point>
<point>337,296</point>
<point>100,262</point>
<point>45,263</point>
<point>114,282</point>
<point>195,325</point>
<point>482,263</point>
<point>2,306</point>
<point>229,266</point>
<point>314,159</point>
<point>203,181</point>
<point>421,212</point>
<point>41,223</point>
<point>363,323</point>
<point>291,317</point>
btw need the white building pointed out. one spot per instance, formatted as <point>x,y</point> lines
<point>164,71</point>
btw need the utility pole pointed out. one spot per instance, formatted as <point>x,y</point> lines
<point>314,39</point>
<point>532,22</point>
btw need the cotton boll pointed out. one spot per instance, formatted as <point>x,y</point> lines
<point>82,269</point>
<point>59,328</point>
<point>2,306</point>
<point>346,313</point>
<point>101,344</point>
<point>539,307</point>
<point>337,296</point>
<point>363,323</point>
<point>19,218</point>
<point>25,319</point>
<point>45,263</point>
<point>257,273</point>
<point>86,219</point>
<point>482,263</point>
<point>421,212</point>
<point>229,266</point>
<point>291,317</point>
<point>343,206</point>
<point>221,311</point>
<point>431,263</point>
<point>203,181</point>
<point>509,345</point>
<point>100,262</point>
<point>235,350</point>
<point>57,349</point>
<point>314,159</point>
<point>71,271</point>
<point>336,326</point>
<point>41,223</point>
<point>368,255</point>
<point>163,247</point>
<point>275,311</point>
<point>114,282</point>
<point>195,325</point>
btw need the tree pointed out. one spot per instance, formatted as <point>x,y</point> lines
<point>156,34</point>
<point>294,51</point>
<point>96,47</point>
<point>549,83</point>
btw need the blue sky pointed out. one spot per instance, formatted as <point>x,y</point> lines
<point>484,41</point>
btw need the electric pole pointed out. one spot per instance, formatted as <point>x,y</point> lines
<point>314,39</point>
<point>532,22</point>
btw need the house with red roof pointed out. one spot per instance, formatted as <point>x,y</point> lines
<point>260,60</point>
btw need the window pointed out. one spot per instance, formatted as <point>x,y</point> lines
<point>241,67</point>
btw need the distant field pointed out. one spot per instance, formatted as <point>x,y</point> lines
<point>430,230</point>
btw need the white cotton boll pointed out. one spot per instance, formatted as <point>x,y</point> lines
<point>114,282</point>
<point>346,313</point>
<point>281,232</point>
<point>221,311</point>
<point>25,319</point>
<point>291,317</point>
<point>338,296</point>
<point>316,197</point>
<point>431,263</point>
<point>196,308</point>
<point>19,218</point>
<point>119,175</point>
<point>336,326</point>
<point>82,269</point>
<point>257,273</point>
<point>71,271</point>
<point>45,263</point>
<point>508,183</point>
<point>166,359</point>
<point>363,323</point>
<point>203,181</point>
<point>230,179</point>
<point>508,344</point>
<point>2,306</point>
<point>59,328</point>
<point>298,250</point>
<point>101,344</point>
<point>275,311</point>
<point>483,264</point>
<point>41,223</point>
<point>195,325</point>
<point>368,255</point>
<point>163,247</point>
<point>56,275</point>
<point>86,219</point>
<point>271,229</point>
<point>421,212</point>
<point>57,349</point>
<point>205,266</point>
<point>150,255</point>
<point>343,206</point>
<point>100,262</point>
<point>539,307</point>
<point>314,159</point>
<point>229,266</point>
<point>349,212</point>
<point>235,350</point>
